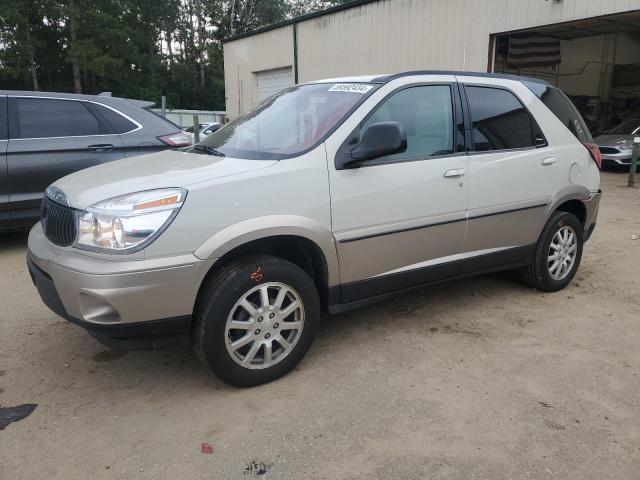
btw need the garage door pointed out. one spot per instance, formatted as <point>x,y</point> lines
<point>271,82</point>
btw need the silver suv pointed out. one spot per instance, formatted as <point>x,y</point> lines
<point>329,195</point>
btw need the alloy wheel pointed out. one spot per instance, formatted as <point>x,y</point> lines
<point>562,253</point>
<point>264,325</point>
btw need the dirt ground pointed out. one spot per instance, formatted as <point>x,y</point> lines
<point>478,379</point>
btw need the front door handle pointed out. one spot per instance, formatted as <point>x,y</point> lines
<point>105,147</point>
<point>549,161</point>
<point>454,173</point>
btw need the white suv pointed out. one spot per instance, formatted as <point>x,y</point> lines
<point>329,195</point>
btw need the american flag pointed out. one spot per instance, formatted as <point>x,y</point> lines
<point>527,51</point>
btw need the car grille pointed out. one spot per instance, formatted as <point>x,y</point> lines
<point>58,222</point>
<point>609,150</point>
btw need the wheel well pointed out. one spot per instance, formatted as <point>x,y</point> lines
<point>298,250</point>
<point>576,207</point>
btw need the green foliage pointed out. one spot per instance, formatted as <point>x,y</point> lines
<point>133,48</point>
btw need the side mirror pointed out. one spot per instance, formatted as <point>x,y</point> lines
<point>380,139</point>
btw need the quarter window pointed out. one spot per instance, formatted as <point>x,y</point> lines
<point>119,123</point>
<point>499,120</point>
<point>426,113</point>
<point>43,117</point>
<point>563,108</point>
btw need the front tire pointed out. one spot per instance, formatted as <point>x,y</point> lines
<point>255,320</point>
<point>558,254</point>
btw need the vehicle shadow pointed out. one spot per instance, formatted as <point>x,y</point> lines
<point>179,367</point>
<point>618,169</point>
<point>13,240</point>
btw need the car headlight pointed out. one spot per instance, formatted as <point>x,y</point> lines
<point>626,147</point>
<point>128,223</point>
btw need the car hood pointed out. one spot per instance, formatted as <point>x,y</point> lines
<point>169,168</point>
<point>613,140</point>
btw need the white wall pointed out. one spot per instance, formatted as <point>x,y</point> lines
<point>244,57</point>
<point>388,36</point>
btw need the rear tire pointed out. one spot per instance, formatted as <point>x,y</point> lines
<point>558,254</point>
<point>255,319</point>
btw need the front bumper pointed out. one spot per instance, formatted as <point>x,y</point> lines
<point>622,158</point>
<point>120,302</point>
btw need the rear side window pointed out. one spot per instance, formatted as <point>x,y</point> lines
<point>563,108</point>
<point>118,122</point>
<point>499,120</point>
<point>43,117</point>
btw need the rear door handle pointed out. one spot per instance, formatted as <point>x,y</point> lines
<point>549,161</point>
<point>105,147</point>
<point>454,173</point>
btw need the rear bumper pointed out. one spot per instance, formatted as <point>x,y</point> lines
<point>129,304</point>
<point>592,205</point>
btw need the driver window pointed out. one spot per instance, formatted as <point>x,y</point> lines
<point>426,113</point>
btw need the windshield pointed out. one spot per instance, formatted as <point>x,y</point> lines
<point>627,128</point>
<point>287,124</point>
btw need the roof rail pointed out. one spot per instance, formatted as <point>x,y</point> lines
<point>518,78</point>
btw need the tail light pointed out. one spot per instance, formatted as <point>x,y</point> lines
<point>178,139</point>
<point>595,153</point>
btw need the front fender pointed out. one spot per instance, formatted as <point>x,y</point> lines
<point>257,228</point>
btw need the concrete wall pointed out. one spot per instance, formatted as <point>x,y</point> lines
<point>394,35</point>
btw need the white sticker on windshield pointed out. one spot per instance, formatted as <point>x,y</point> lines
<point>351,87</point>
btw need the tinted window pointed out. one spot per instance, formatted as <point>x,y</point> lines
<point>41,117</point>
<point>119,123</point>
<point>3,118</point>
<point>499,120</point>
<point>426,113</point>
<point>563,108</point>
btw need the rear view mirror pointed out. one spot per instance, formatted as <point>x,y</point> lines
<point>380,139</point>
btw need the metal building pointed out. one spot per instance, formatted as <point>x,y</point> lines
<point>590,48</point>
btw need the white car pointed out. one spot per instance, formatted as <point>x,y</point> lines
<point>330,195</point>
<point>205,129</point>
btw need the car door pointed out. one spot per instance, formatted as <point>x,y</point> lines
<point>4,181</point>
<point>399,220</point>
<point>512,175</point>
<point>48,139</point>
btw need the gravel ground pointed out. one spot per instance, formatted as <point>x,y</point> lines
<point>478,379</point>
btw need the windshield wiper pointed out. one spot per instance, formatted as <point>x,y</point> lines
<point>208,150</point>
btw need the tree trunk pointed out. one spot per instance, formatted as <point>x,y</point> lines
<point>201,41</point>
<point>32,64</point>
<point>232,28</point>
<point>170,55</point>
<point>34,75</point>
<point>77,83</point>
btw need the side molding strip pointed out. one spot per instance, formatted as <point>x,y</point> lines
<point>437,224</point>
